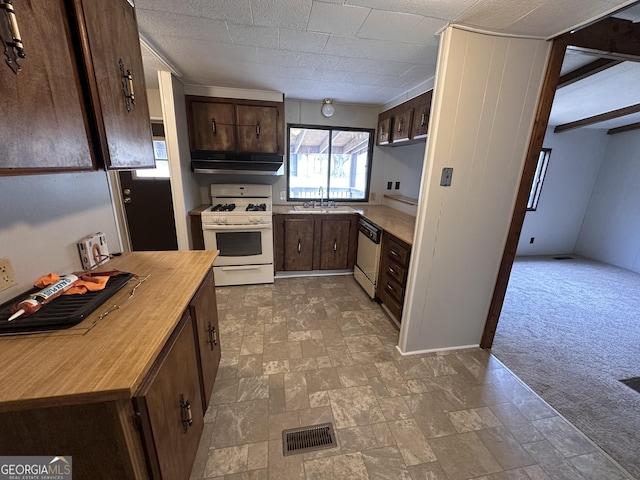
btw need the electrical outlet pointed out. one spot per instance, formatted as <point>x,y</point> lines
<point>397,185</point>
<point>6,274</point>
<point>389,184</point>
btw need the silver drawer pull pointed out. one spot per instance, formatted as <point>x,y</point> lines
<point>394,253</point>
<point>299,245</point>
<point>213,125</point>
<point>16,38</point>
<point>186,414</point>
<point>127,86</point>
<point>392,270</point>
<point>335,245</point>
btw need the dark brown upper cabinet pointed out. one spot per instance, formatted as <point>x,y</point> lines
<point>44,124</point>
<point>111,51</point>
<point>420,125</point>
<point>384,131</point>
<point>226,125</point>
<point>406,123</point>
<point>67,104</point>
<point>401,131</point>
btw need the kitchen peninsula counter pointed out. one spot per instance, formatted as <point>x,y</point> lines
<point>110,360</point>
<point>395,222</point>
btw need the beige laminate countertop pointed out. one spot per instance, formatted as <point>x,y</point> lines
<point>397,223</point>
<point>110,360</point>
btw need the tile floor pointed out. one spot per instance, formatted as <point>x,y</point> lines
<point>311,350</point>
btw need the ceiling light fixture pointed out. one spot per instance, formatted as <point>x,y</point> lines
<point>327,108</point>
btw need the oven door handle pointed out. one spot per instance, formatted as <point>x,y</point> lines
<point>240,228</point>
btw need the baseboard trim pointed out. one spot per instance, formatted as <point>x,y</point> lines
<point>433,350</point>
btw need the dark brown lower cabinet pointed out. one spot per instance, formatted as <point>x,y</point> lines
<point>169,407</point>
<point>298,243</point>
<point>334,243</point>
<point>315,241</point>
<point>204,310</point>
<point>154,434</point>
<point>394,265</point>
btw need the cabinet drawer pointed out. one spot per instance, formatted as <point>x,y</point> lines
<point>397,253</point>
<point>392,304</point>
<point>395,271</point>
<point>392,288</point>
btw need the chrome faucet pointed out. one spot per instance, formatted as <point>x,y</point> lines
<point>321,191</point>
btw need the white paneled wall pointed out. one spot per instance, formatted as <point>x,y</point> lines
<point>486,92</point>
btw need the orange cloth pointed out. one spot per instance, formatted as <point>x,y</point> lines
<point>86,282</point>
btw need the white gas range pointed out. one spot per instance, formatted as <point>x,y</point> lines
<point>239,224</point>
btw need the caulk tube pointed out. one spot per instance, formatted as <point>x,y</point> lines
<point>32,304</point>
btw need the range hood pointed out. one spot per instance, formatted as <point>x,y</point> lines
<point>235,163</point>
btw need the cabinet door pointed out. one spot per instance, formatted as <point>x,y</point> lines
<point>204,311</point>
<point>212,126</point>
<point>257,129</point>
<point>334,244</point>
<point>402,126</point>
<point>168,398</point>
<point>43,121</point>
<point>298,244</point>
<point>116,81</point>
<point>420,126</point>
<point>384,131</point>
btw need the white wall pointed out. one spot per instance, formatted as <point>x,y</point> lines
<point>185,189</point>
<point>485,96</point>
<point>611,229</point>
<point>402,164</point>
<point>575,160</point>
<point>43,216</point>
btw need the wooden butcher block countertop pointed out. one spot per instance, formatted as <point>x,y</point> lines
<point>109,360</point>
<point>395,222</point>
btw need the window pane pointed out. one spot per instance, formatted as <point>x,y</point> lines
<point>308,162</point>
<point>349,154</point>
<point>332,164</point>
<point>536,186</point>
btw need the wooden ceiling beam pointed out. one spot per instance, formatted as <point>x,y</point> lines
<point>586,71</point>
<point>603,117</point>
<point>624,128</point>
<point>608,35</point>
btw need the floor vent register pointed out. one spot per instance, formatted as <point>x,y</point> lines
<point>308,439</point>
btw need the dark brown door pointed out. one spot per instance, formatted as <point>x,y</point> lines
<point>148,205</point>
<point>168,398</point>
<point>114,49</point>
<point>42,124</point>
<point>212,126</point>
<point>334,244</point>
<point>257,129</point>
<point>204,310</point>
<point>298,244</point>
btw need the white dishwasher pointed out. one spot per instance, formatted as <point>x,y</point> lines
<point>368,261</point>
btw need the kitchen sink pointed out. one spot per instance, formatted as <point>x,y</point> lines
<point>318,209</point>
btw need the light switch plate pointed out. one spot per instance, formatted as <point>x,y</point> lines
<point>445,179</point>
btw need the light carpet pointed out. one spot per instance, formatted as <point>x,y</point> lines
<point>570,329</point>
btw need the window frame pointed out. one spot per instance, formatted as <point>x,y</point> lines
<point>331,128</point>
<point>538,179</point>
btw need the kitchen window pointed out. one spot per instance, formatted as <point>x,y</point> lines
<point>536,187</point>
<point>329,163</point>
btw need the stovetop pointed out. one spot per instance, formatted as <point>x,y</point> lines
<point>230,207</point>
